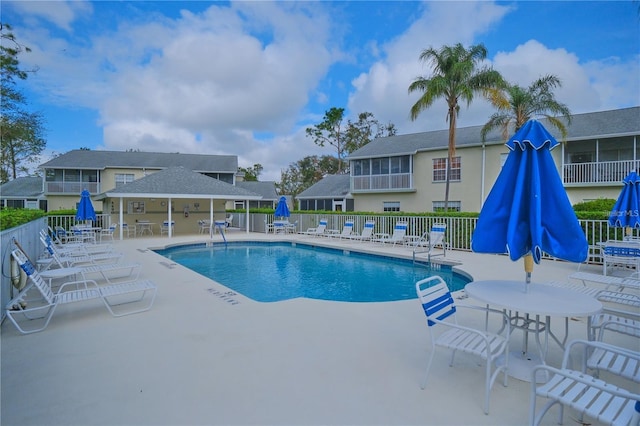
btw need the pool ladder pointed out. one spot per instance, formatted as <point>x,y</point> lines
<point>424,238</point>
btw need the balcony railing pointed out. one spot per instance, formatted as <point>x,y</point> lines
<point>599,172</point>
<point>381,182</point>
<point>71,187</point>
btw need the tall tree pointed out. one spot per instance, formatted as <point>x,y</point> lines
<point>21,131</point>
<point>458,75</point>
<point>329,131</point>
<point>363,131</point>
<point>251,174</point>
<point>517,105</point>
<point>304,173</point>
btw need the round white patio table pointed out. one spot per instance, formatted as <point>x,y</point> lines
<point>538,300</point>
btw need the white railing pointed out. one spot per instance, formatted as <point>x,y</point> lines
<point>599,172</point>
<point>380,182</point>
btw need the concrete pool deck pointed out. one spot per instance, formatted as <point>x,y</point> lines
<point>204,356</point>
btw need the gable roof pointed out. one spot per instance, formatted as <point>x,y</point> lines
<point>329,187</point>
<point>266,189</point>
<point>618,122</point>
<point>178,182</point>
<point>87,159</point>
<point>22,187</point>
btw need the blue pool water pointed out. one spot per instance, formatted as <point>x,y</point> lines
<point>271,272</point>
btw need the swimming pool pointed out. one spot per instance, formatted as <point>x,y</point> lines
<point>272,272</point>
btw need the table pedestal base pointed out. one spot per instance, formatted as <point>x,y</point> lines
<point>521,365</point>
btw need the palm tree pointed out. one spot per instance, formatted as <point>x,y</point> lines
<point>517,105</point>
<point>457,75</point>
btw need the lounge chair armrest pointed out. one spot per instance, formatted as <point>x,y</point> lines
<point>585,379</point>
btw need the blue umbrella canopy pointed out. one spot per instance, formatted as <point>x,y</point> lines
<point>527,210</point>
<point>627,207</point>
<point>282,210</point>
<point>85,208</point>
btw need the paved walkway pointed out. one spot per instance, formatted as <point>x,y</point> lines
<point>203,357</point>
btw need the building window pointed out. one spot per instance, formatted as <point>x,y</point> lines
<point>124,178</point>
<point>440,169</point>
<point>454,206</point>
<point>136,207</point>
<point>391,206</point>
<point>238,205</point>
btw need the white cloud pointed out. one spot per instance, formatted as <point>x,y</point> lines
<point>592,86</point>
<point>60,13</point>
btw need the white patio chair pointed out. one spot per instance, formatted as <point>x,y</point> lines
<point>164,228</point>
<point>128,230</point>
<point>107,234</point>
<point>38,312</point>
<point>587,395</point>
<point>399,232</point>
<point>228,221</point>
<point>440,309</point>
<point>618,320</point>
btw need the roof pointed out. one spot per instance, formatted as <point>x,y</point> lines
<point>22,187</point>
<point>178,182</point>
<point>266,189</point>
<point>329,187</point>
<point>87,159</point>
<point>591,125</point>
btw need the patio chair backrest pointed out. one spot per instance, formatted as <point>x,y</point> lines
<point>367,231</point>
<point>399,231</point>
<point>33,275</point>
<point>436,299</point>
<point>347,229</point>
<point>322,225</point>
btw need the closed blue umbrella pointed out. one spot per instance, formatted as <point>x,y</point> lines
<point>627,207</point>
<point>527,210</point>
<point>85,208</point>
<point>282,210</point>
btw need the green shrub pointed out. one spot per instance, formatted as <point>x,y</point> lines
<point>10,218</point>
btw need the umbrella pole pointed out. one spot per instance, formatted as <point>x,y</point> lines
<point>528,268</point>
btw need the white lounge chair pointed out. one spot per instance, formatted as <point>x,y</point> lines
<point>399,232</point>
<point>608,281</point>
<point>37,313</point>
<point>367,232</point>
<point>317,231</point>
<point>347,230</point>
<point>440,309</point>
<point>76,257</point>
<point>584,393</point>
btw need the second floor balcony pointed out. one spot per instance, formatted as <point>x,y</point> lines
<point>598,172</point>
<point>71,187</point>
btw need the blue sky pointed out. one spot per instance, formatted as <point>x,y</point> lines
<point>246,78</point>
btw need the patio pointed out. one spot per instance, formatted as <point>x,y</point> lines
<point>204,355</point>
